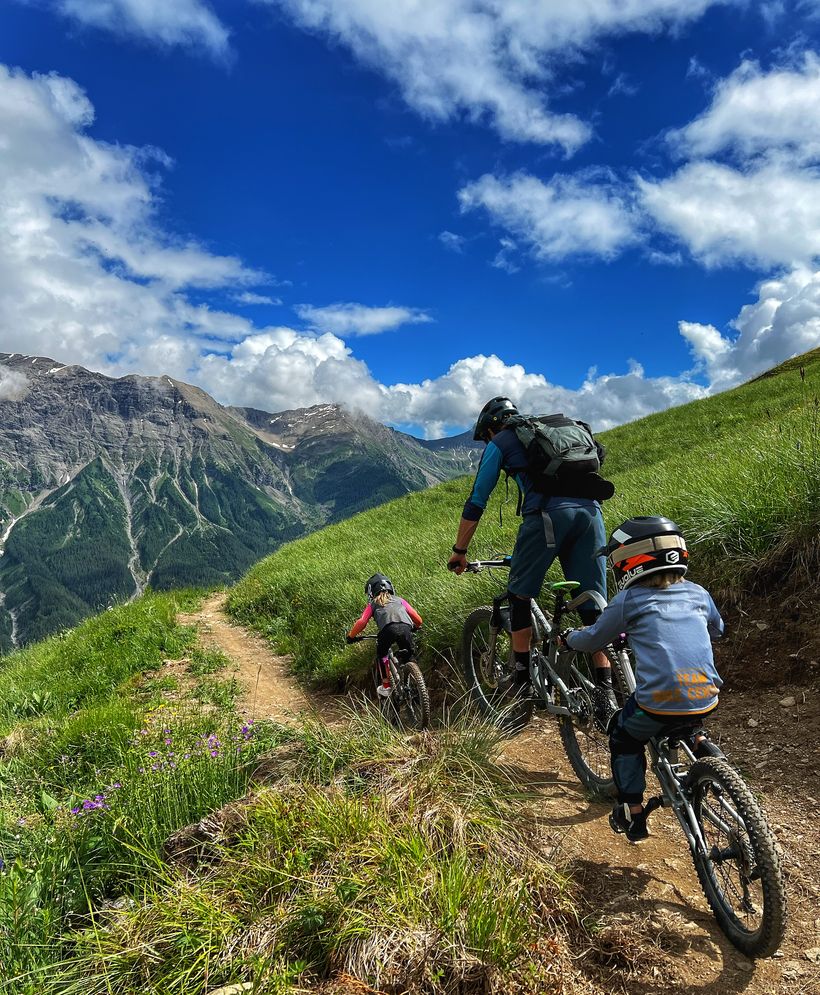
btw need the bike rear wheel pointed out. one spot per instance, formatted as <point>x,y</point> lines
<point>489,667</point>
<point>409,705</point>
<point>740,873</point>
<point>585,741</point>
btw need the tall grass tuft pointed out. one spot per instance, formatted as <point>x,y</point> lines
<point>347,865</point>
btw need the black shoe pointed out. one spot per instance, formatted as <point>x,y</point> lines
<point>604,703</point>
<point>632,825</point>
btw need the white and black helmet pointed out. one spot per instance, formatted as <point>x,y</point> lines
<point>643,546</point>
<point>376,585</point>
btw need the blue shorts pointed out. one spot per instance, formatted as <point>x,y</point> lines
<point>571,532</point>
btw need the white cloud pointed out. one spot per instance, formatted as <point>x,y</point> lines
<point>765,215</point>
<point>753,112</point>
<point>486,59</point>
<point>166,22</point>
<point>566,216</point>
<point>348,319</point>
<point>13,384</point>
<point>506,256</point>
<point>88,276</point>
<point>783,322</point>
<point>85,269</point>
<point>249,298</point>
<point>451,241</point>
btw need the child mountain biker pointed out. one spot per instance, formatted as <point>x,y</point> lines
<point>397,621</point>
<point>669,621</point>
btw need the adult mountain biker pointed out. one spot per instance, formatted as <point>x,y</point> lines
<point>567,524</point>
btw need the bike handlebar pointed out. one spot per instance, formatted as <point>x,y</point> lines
<point>476,566</point>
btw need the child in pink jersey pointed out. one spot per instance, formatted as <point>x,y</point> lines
<point>396,619</point>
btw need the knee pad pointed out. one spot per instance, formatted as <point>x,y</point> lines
<point>520,613</point>
<point>620,742</point>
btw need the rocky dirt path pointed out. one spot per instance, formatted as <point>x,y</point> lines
<point>665,940</point>
<point>271,691</point>
<point>652,890</point>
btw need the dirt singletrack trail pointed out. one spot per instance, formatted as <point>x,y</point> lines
<point>652,889</point>
<point>649,891</point>
<point>271,691</point>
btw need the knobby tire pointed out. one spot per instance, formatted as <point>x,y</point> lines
<point>756,850</point>
<point>586,745</point>
<point>490,680</point>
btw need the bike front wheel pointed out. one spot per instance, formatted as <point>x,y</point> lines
<point>583,734</point>
<point>489,667</point>
<point>740,872</point>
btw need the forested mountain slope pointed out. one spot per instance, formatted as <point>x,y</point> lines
<point>108,485</point>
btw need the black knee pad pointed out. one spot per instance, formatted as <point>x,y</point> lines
<point>620,742</point>
<point>520,613</point>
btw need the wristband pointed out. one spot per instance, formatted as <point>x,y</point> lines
<point>461,552</point>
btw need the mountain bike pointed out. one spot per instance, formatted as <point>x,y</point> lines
<point>408,704</point>
<point>563,680</point>
<point>730,841</point>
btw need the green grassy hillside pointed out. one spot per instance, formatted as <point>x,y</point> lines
<point>740,472</point>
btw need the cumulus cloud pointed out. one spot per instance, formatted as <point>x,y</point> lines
<point>190,23</point>
<point>754,112</point>
<point>486,59</point>
<point>85,269</point>
<point>346,319</point>
<point>765,215</point>
<point>88,276</point>
<point>566,216</point>
<point>783,322</point>
<point>13,384</point>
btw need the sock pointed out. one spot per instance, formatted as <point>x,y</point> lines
<point>522,660</point>
<point>603,676</point>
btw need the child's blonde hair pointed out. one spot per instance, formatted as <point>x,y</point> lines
<point>663,579</point>
<point>382,598</point>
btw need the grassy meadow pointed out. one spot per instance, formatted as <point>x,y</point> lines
<point>102,758</point>
<point>740,472</point>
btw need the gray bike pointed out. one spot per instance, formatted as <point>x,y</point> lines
<point>730,840</point>
<point>563,680</point>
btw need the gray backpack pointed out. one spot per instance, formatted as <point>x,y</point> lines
<point>563,458</point>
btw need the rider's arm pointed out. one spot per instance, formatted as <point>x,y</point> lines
<point>489,470</point>
<point>609,624</point>
<point>714,622</point>
<point>361,622</point>
<point>411,611</point>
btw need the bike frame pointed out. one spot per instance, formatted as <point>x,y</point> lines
<point>544,672</point>
<point>672,779</point>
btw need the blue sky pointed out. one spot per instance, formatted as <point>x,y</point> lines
<point>606,207</point>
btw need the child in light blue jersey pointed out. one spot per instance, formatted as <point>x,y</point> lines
<point>669,622</point>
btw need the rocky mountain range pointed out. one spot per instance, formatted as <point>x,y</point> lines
<point>108,485</point>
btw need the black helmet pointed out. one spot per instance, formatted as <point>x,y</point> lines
<point>376,584</point>
<point>492,415</point>
<point>643,546</point>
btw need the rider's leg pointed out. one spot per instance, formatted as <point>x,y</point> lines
<point>582,534</point>
<point>521,622</point>
<point>387,637</point>
<point>531,558</point>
